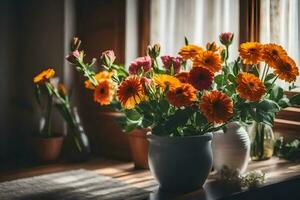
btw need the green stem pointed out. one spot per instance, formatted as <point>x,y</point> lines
<point>226,64</point>
<point>263,74</point>
<point>48,116</point>
<point>272,85</point>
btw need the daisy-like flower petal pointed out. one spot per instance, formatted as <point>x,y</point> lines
<point>183,95</point>
<point>251,52</point>
<point>250,87</point>
<point>131,92</point>
<point>208,59</point>
<point>216,107</point>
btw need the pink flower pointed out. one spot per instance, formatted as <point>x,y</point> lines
<point>108,57</point>
<point>73,56</point>
<point>170,61</point>
<point>141,63</point>
<point>226,38</point>
<point>146,81</point>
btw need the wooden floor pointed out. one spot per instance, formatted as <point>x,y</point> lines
<point>276,170</point>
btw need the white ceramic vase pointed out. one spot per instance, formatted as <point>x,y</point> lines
<point>232,148</point>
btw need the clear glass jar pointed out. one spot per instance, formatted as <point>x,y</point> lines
<point>262,141</point>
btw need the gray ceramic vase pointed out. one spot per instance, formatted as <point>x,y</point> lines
<point>180,164</point>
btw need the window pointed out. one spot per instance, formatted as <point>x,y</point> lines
<point>201,21</point>
<point>280,24</point>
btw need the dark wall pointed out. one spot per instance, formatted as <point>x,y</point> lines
<point>32,39</point>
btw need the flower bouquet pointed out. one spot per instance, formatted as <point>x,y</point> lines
<point>47,87</point>
<point>187,98</point>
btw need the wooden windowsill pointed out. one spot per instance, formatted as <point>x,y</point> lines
<point>278,173</point>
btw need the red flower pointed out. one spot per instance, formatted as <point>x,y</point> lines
<point>201,78</point>
<point>226,38</point>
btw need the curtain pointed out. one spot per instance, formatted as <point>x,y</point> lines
<point>201,21</point>
<point>280,24</point>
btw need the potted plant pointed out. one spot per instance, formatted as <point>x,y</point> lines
<point>49,146</point>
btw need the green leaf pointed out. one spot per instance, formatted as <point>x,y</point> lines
<point>164,105</point>
<point>268,106</point>
<point>218,79</point>
<point>200,119</point>
<point>232,78</point>
<point>133,115</point>
<point>186,41</point>
<point>236,67</point>
<point>295,100</point>
<point>269,77</point>
<point>179,118</point>
<point>255,71</point>
<point>147,120</point>
<point>284,102</point>
<point>276,93</point>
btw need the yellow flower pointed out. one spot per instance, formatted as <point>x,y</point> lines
<point>251,52</point>
<point>164,80</point>
<point>190,51</point>
<point>131,92</point>
<point>100,76</point>
<point>44,76</point>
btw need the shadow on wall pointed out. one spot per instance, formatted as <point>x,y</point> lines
<point>31,41</point>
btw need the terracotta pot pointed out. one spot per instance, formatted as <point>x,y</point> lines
<point>47,149</point>
<point>138,144</point>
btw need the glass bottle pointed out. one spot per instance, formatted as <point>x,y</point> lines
<point>262,141</point>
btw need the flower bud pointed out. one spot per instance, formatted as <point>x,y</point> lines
<point>108,57</point>
<point>226,38</point>
<point>153,51</point>
<point>62,90</point>
<point>73,56</point>
<point>211,46</point>
<point>75,44</point>
<point>170,62</point>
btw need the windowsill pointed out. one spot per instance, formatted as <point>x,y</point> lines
<point>279,173</point>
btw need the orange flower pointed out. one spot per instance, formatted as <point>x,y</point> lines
<point>250,87</point>
<point>44,76</point>
<point>100,76</point>
<point>271,54</point>
<point>208,59</point>
<point>251,52</point>
<point>190,51</point>
<point>183,95</point>
<point>201,78</point>
<point>286,69</point>
<point>131,92</point>
<point>103,93</point>
<point>216,107</point>
<point>164,80</point>
<point>183,77</point>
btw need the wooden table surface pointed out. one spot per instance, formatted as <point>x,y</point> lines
<point>282,178</point>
